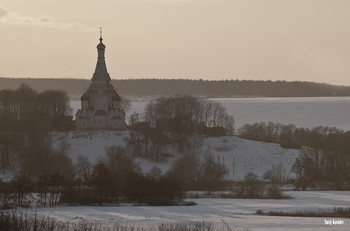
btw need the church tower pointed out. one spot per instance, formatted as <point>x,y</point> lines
<point>100,104</point>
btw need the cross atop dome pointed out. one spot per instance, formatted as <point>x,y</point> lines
<point>101,46</point>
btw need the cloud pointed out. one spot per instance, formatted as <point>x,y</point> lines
<point>3,11</point>
<point>14,18</point>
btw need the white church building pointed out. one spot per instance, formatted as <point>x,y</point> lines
<point>100,104</point>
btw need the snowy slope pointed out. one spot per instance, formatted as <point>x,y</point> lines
<point>87,143</point>
<point>239,155</point>
<point>242,156</point>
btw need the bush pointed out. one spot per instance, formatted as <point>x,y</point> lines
<point>338,212</point>
<point>14,221</point>
<point>214,131</point>
<point>251,187</point>
<point>195,174</point>
<point>80,196</point>
<point>274,192</point>
<point>276,174</point>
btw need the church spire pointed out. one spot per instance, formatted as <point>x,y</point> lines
<point>101,73</point>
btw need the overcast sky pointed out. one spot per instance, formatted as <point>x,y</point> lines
<point>210,39</point>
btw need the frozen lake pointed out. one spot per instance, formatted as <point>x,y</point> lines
<point>237,213</point>
<point>303,112</point>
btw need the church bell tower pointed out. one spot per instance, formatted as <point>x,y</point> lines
<point>100,104</point>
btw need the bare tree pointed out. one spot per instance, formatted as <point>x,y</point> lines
<point>101,182</point>
<point>117,159</point>
<point>276,174</point>
<point>56,182</point>
<point>83,169</point>
<point>155,173</point>
<point>22,184</point>
<point>303,170</point>
<point>208,112</point>
<point>251,186</point>
<point>125,104</point>
<point>4,151</point>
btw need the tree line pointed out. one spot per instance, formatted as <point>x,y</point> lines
<point>321,137</point>
<point>177,119</point>
<point>115,178</point>
<point>324,156</point>
<point>26,118</point>
<point>165,87</point>
<point>26,110</point>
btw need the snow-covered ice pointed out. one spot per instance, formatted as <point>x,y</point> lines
<point>303,112</point>
<point>237,213</point>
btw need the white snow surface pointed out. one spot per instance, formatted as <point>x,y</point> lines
<point>301,111</point>
<point>237,213</point>
<point>240,156</point>
<point>90,144</point>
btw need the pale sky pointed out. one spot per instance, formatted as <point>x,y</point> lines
<point>306,40</point>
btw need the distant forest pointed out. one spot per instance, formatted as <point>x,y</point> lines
<point>220,88</point>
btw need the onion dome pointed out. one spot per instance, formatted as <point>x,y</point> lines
<point>101,46</point>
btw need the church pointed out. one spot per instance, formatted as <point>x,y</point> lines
<point>100,104</point>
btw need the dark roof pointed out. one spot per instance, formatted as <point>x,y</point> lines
<point>116,97</point>
<point>100,113</point>
<point>84,97</point>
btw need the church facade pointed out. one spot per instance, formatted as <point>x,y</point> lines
<point>100,104</point>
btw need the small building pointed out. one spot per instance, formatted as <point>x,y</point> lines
<point>100,104</point>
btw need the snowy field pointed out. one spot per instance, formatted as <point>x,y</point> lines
<point>303,111</point>
<point>237,213</point>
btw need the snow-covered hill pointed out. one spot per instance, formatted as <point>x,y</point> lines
<point>239,155</point>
